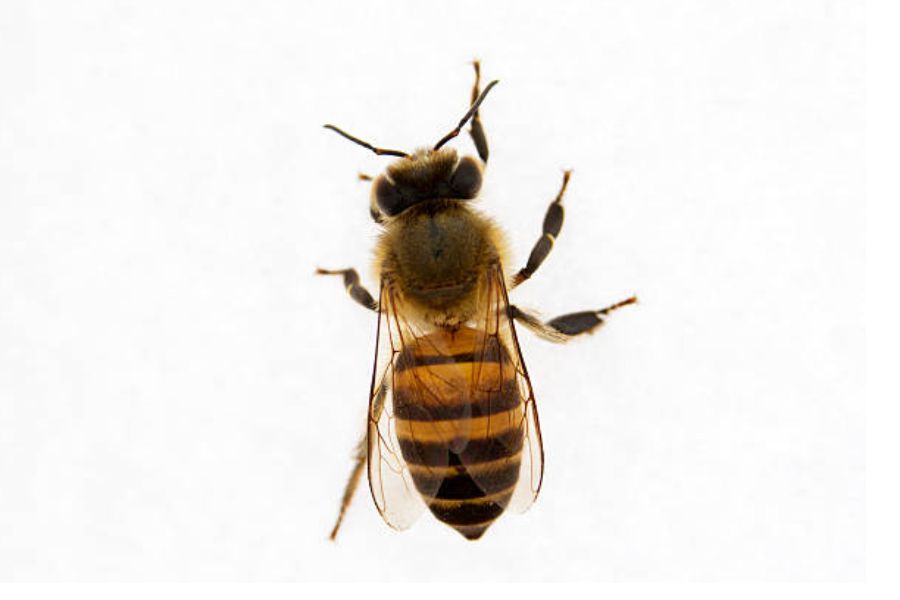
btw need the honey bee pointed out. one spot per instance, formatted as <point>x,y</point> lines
<point>452,423</point>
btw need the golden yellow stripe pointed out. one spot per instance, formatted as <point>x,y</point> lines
<point>438,384</point>
<point>495,498</point>
<point>473,470</point>
<point>452,429</point>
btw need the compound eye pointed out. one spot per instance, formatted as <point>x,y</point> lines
<point>466,179</point>
<point>387,197</point>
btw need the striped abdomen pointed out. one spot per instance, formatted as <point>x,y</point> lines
<point>459,420</point>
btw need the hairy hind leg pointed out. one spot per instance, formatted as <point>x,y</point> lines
<point>359,463</point>
<point>352,483</point>
<point>565,327</point>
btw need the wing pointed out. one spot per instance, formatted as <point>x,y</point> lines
<point>390,482</point>
<point>500,345</point>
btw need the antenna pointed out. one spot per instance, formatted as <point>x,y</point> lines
<point>378,151</point>
<point>472,110</point>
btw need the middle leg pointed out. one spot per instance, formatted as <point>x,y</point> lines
<point>351,282</point>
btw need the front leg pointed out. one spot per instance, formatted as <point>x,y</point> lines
<point>351,281</point>
<point>553,221</point>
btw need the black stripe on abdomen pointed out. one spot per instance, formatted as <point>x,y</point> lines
<point>490,353</point>
<point>464,487</point>
<point>438,454</point>
<point>471,512</point>
<point>458,482</point>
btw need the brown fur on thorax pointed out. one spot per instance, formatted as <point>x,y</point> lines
<point>435,256</point>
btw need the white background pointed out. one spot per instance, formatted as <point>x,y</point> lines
<point>179,395</point>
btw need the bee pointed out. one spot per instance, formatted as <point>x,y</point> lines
<point>452,422</point>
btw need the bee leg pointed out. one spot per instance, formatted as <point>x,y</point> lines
<point>477,130</point>
<point>553,221</point>
<point>351,281</point>
<point>352,483</point>
<point>360,460</point>
<point>563,328</point>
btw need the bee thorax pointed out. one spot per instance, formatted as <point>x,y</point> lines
<point>437,254</point>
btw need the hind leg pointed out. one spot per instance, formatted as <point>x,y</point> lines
<point>352,483</point>
<point>565,327</point>
<point>359,463</point>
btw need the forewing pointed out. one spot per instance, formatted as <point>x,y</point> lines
<point>390,481</point>
<point>512,426</point>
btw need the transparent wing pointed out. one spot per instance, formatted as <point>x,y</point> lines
<point>518,428</point>
<point>392,486</point>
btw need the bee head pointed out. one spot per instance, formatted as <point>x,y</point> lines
<point>427,174</point>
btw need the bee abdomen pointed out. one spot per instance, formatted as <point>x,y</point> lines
<point>460,427</point>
